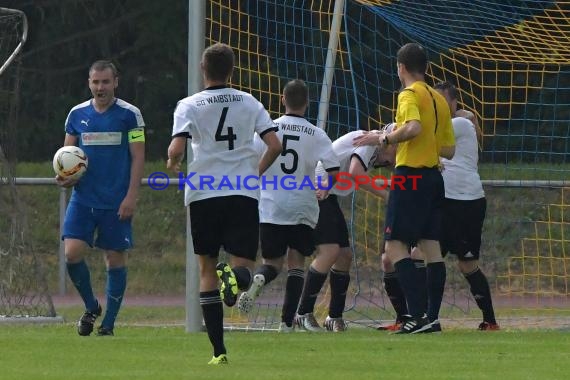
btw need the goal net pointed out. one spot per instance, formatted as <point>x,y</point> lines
<point>23,289</point>
<point>511,63</point>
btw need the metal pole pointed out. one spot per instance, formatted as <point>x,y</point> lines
<point>61,255</point>
<point>196,38</point>
<point>23,37</point>
<point>330,63</point>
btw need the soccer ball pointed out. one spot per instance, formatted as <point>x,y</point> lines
<point>70,162</point>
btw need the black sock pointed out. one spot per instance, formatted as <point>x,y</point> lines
<point>409,282</point>
<point>213,313</point>
<point>436,274</point>
<point>422,275</point>
<point>482,294</point>
<point>395,294</point>
<point>243,277</point>
<point>268,271</point>
<point>293,289</point>
<point>339,281</point>
<point>313,284</point>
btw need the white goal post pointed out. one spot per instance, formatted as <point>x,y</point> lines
<point>24,35</point>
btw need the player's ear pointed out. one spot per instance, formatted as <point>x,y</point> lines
<point>283,100</point>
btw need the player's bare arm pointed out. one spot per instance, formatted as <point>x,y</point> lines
<point>447,152</point>
<point>273,151</point>
<point>406,132</point>
<point>356,169</point>
<point>472,118</point>
<point>367,138</point>
<point>176,153</point>
<point>69,140</point>
<point>129,203</point>
<point>324,188</point>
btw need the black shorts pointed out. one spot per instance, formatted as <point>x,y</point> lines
<point>231,222</point>
<point>276,238</point>
<point>462,227</point>
<point>414,211</point>
<point>331,227</point>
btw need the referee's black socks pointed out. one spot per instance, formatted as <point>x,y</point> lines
<point>410,284</point>
<point>436,275</point>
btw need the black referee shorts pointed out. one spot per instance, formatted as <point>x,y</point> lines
<point>415,209</point>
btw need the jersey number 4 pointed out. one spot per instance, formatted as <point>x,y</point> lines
<point>229,137</point>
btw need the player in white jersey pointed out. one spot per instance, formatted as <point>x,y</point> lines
<point>221,185</point>
<point>331,234</point>
<point>463,215</point>
<point>464,208</point>
<point>288,208</point>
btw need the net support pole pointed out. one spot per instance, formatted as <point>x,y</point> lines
<point>23,37</point>
<point>196,37</point>
<point>61,253</point>
<point>330,63</point>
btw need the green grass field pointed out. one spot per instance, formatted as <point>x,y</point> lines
<point>57,352</point>
<point>140,351</point>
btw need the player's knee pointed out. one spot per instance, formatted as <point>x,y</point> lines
<point>73,257</point>
<point>344,259</point>
<point>327,252</point>
<point>387,265</point>
<point>467,266</point>
<point>417,254</point>
<point>114,259</point>
<point>295,260</point>
<point>73,251</point>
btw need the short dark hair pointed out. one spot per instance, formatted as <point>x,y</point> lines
<point>414,57</point>
<point>104,64</point>
<point>296,94</point>
<point>218,61</point>
<point>447,86</point>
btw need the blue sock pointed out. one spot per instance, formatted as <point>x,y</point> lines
<point>116,285</point>
<point>79,275</point>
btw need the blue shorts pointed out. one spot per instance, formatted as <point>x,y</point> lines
<point>81,222</point>
<point>415,211</point>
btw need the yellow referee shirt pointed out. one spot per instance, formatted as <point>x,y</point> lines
<point>421,102</point>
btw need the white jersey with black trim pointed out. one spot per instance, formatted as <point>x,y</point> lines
<point>221,122</point>
<point>345,150</point>
<point>288,186</point>
<point>460,175</point>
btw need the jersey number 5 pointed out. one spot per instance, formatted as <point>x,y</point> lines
<point>292,152</point>
<point>229,137</point>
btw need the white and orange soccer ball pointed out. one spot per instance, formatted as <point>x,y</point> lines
<point>70,162</point>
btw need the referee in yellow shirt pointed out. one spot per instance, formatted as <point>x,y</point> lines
<point>424,133</point>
